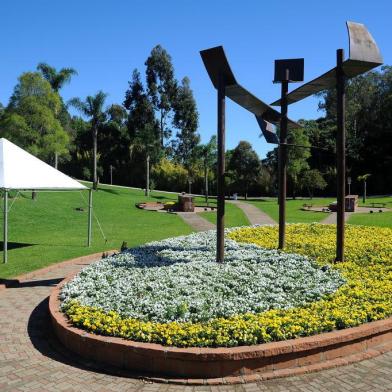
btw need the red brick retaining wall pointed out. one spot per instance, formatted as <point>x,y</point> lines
<point>225,365</point>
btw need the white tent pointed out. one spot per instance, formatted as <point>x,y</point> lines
<point>20,170</point>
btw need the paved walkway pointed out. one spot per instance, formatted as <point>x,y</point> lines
<point>196,221</point>
<point>31,358</point>
<point>254,214</point>
<point>331,218</point>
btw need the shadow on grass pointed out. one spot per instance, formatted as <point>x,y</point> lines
<point>110,190</point>
<point>15,245</point>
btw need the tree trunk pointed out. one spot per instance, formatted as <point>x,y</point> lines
<point>364,192</point>
<point>95,142</point>
<point>56,160</point>
<point>147,193</point>
<point>206,183</point>
<point>162,129</point>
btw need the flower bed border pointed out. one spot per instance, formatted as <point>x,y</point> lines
<point>197,366</point>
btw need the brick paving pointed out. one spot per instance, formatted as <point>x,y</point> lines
<point>31,359</point>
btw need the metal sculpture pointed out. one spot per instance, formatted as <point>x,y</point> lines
<point>364,55</point>
<point>224,81</point>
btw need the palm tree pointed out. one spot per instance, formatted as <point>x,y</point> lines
<point>208,155</point>
<point>364,178</point>
<point>92,107</point>
<point>56,79</point>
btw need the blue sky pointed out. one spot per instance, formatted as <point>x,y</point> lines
<point>105,40</point>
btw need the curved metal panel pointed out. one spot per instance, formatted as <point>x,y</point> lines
<point>362,45</point>
<point>216,62</point>
<point>364,56</point>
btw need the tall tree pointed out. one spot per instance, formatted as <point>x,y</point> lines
<point>311,180</point>
<point>57,79</point>
<point>30,119</point>
<point>245,164</point>
<point>113,141</point>
<point>93,108</point>
<point>162,87</point>
<point>142,126</point>
<point>186,121</point>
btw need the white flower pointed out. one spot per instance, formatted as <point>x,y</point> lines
<point>178,279</point>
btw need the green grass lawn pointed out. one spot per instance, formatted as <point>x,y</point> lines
<point>294,212</point>
<point>233,216</point>
<point>383,219</point>
<point>50,230</point>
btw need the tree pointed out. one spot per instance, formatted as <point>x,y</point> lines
<point>208,155</point>
<point>142,126</point>
<point>30,119</point>
<point>161,86</point>
<point>245,165</point>
<point>56,79</point>
<point>363,178</point>
<point>113,141</point>
<point>297,156</point>
<point>186,120</point>
<point>92,107</point>
<point>312,180</point>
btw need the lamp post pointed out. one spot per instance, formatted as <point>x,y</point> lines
<point>349,185</point>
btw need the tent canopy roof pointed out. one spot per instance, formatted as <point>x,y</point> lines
<point>23,171</point>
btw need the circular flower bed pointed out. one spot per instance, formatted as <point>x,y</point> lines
<point>172,292</point>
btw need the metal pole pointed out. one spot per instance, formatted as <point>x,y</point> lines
<point>220,220</point>
<point>283,162</point>
<point>147,193</point>
<point>111,175</point>
<point>340,155</point>
<point>90,210</point>
<point>5,227</point>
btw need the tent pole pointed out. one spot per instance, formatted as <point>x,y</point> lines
<point>5,227</point>
<point>90,210</point>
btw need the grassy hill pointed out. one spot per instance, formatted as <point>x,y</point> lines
<point>50,229</point>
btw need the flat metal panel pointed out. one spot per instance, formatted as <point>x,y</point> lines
<point>268,130</point>
<point>295,69</point>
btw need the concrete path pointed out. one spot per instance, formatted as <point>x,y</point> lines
<point>331,219</point>
<point>196,221</point>
<point>254,214</point>
<point>31,358</point>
